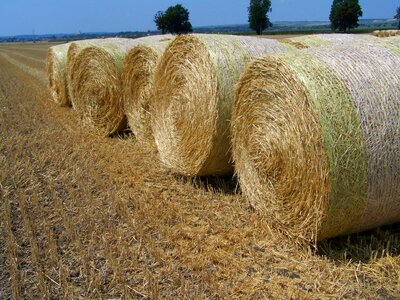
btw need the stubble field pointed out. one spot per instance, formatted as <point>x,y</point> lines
<point>87,217</point>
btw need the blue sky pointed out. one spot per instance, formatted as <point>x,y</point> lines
<point>71,16</point>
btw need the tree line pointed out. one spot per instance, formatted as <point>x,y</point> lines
<point>344,17</point>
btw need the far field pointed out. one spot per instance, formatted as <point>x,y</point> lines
<point>87,217</point>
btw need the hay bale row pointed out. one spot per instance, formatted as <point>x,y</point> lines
<point>385,33</point>
<point>315,133</point>
<point>193,98</point>
<point>316,139</point>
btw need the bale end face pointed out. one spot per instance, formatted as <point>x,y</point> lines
<point>138,89</point>
<point>97,89</point>
<point>186,109</point>
<point>278,149</point>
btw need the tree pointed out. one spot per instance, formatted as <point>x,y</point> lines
<point>397,16</point>
<point>258,15</point>
<point>159,19</point>
<point>344,15</point>
<point>174,20</point>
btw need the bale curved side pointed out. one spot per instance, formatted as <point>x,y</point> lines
<point>138,85</point>
<point>194,92</point>
<point>56,69</point>
<point>316,140</point>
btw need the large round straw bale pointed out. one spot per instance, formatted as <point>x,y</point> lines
<point>56,67</point>
<point>97,85</point>
<point>316,139</point>
<point>194,92</point>
<point>138,84</point>
<point>76,47</point>
<point>375,33</point>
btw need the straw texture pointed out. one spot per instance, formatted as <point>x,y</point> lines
<point>316,40</point>
<point>96,84</point>
<point>194,92</point>
<point>138,84</point>
<point>316,139</point>
<point>56,69</point>
<point>76,47</point>
<point>392,43</point>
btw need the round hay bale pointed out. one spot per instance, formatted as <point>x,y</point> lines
<point>375,33</point>
<point>138,84</point>
<point>76,47</point>
<point>56,69</point>
<point>194,91</point>
<point>316,139</point>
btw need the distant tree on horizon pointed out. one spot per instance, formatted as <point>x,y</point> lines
<point>258,15</point>
<point>174,20</point>
<point>397,16</point>
<point>159,19</point>
<point>345,14</point>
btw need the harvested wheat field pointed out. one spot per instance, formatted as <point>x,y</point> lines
<point>89,217</point>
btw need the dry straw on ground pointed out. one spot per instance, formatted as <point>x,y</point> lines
<point>194,92</point>
<point>138,84</point>
<point>97,85</point>
<point>56,67</point>
<point>316,139</point>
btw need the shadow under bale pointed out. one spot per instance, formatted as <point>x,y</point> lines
<point>215,184</point>
<point>363,247</point>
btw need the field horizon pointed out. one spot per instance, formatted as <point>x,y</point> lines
<point>279,27</point>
